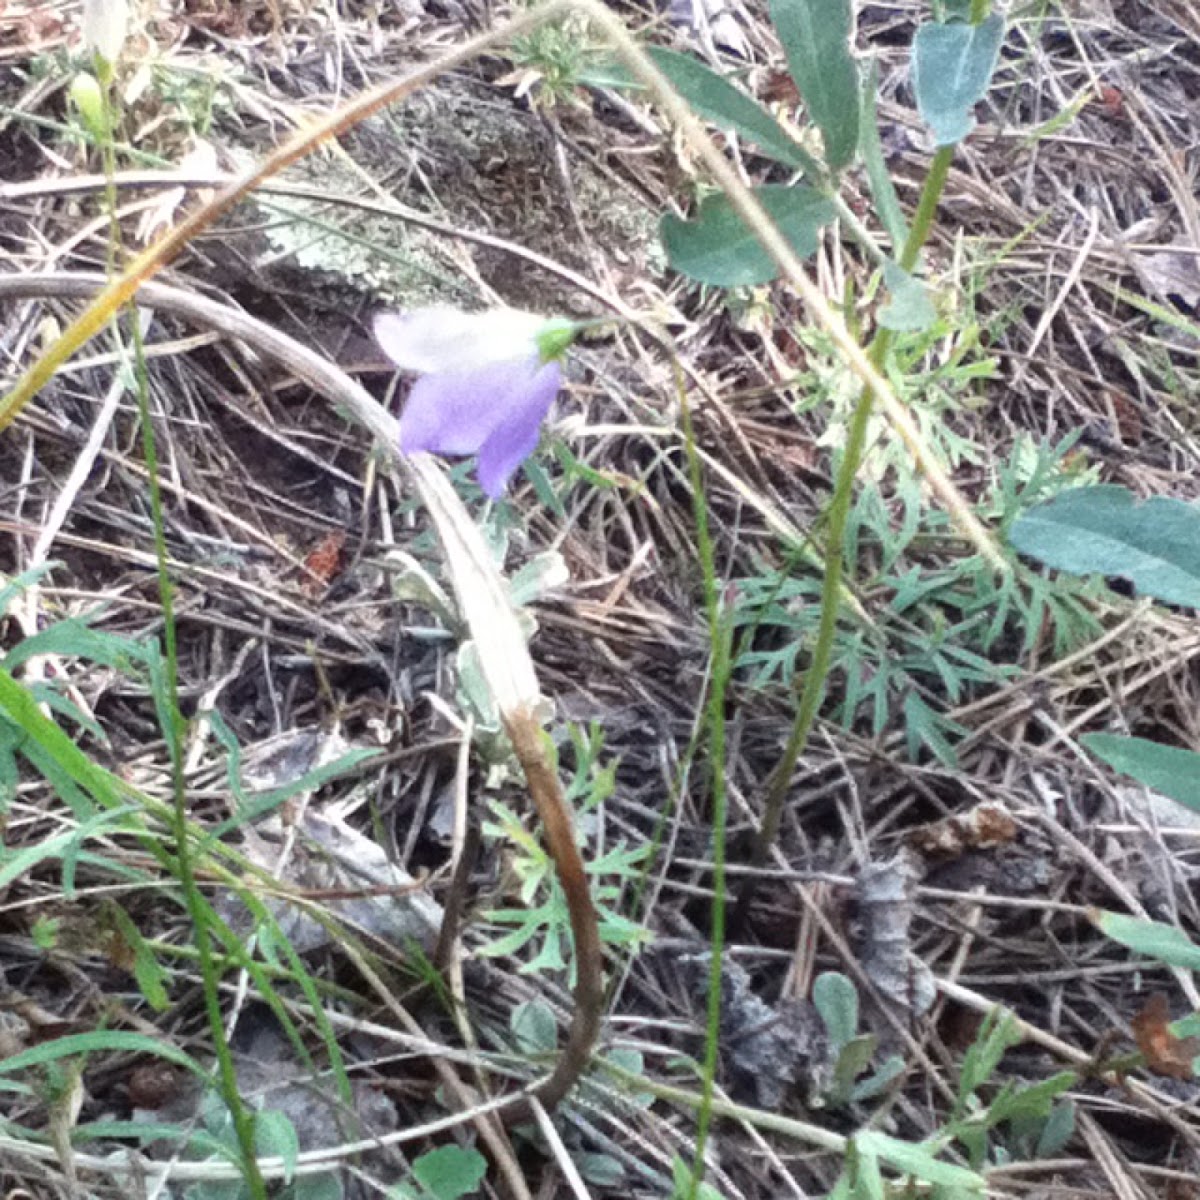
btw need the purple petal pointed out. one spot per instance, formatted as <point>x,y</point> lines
<point>457,412</point>
<point>516,437</point>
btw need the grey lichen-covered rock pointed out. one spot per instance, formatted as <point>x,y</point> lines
<point>462,155</point>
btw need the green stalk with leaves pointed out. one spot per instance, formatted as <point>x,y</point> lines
<point>99,104</point>
<point>816,677</point>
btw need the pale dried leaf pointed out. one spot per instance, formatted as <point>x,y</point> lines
<point>1171,274</point>
<point>885,908</point>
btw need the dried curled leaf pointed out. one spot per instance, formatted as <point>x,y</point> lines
<point>984,827</point>
<point>1165,1053</point>
<point>885,909</point>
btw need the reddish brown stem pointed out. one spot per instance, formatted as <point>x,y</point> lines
<point>546,791</point>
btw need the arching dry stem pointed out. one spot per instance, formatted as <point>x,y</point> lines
<point>544,787</point>
<point>487,609</point>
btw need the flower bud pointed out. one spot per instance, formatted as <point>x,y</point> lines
<point>105,23</point>
<point>88,98</point>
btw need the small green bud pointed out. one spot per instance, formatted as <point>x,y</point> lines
<point>88,97</point>
<point>554,337</point>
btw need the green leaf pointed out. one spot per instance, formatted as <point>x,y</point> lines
<point>252,807</point>
<point>879,178</point>
<point>98,1040</point>
<point>1036,1100</point>
<point>141,1132</point>
<point>631,1061</point>
<point>149,973</point>
<point>909,308</point>
<point>1167,769</point>
<point>534,1027</point>
<point>540,575</point>
<point>816,39</point>
<point>1057,1132</point>
<point>25,859</point>
<point>875,1083</point>
<point>1104,530</point>
<point>600,1170</point>
<point>217,1119</point>
<point>450,1171</point>
<point>719,248</point>
<point>66,845</point>
<point>852,1060</point>
<point>997,1033</point>
<point>952,66</point>
<point>326,1186</point>
<point>1165,943</point>
<point>45,932</point>
<point>20,583</point>
<point>10,774</point>
<point>46,694</point>
<point>843,1189</point>
<point>715,99</point>
<point>924,726</point>
<point>73,637</point>
<point>868,1178</point>
<point>836,1000</point>
<point>60,759</point>
<point>681,1173</point>
<point>275,1137</point>
<point>917,1161</point>
<point>474,689</point>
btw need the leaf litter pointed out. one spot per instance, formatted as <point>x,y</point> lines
<point>262,475</point>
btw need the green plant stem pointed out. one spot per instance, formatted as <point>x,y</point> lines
<point>720,641</point>
<point>173,725</point>
<point>776,245</point>
<point>108,155</point>
<point>817,674</point>
<point>816,1136</point>
<point>230,962</point>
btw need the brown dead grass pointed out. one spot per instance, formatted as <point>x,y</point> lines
<point>1049,236</point>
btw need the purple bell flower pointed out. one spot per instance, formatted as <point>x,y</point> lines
<point>486,384</point>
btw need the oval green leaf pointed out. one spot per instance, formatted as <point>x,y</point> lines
<point>836,1001</point>
<point>1104,530</point>
<point>1167,769</point>
<point>718,247</point>
<point>816,38</point>
<point>1165,943</point>
<point>715,99</point>
<point>909,308</point>
<point>275,1137</point>
<point>952,66</point>
<point>450,1171</point>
